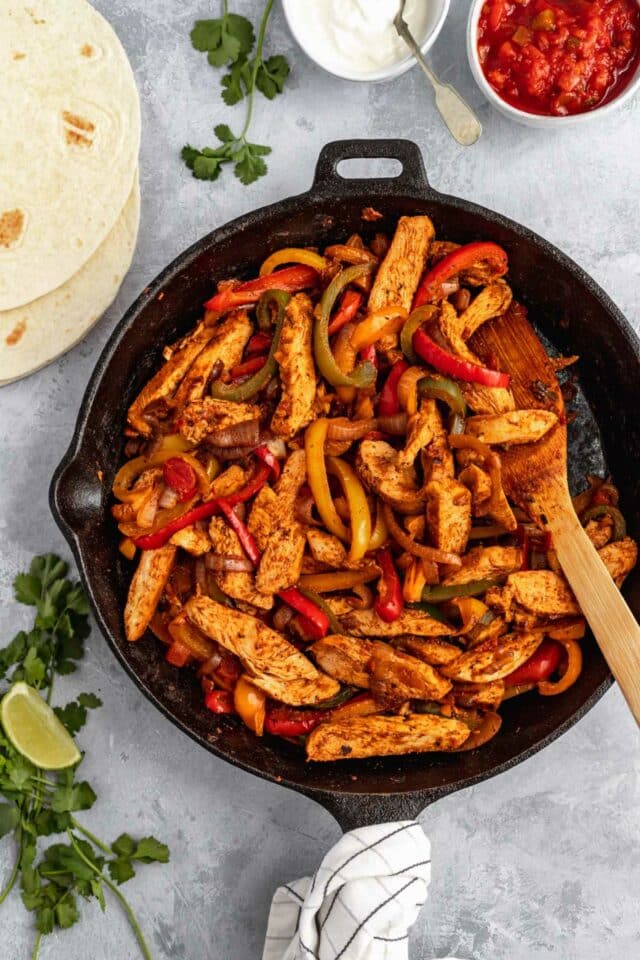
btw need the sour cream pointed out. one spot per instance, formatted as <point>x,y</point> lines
<point>356,38</point>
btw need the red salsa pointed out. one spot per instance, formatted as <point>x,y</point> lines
<point>559,57</point>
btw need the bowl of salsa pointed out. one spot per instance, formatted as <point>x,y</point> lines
<point>548,62</point>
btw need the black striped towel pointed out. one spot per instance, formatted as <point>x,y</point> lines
<point>360,903</point>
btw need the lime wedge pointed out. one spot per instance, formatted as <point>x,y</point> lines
<point>35,731</point>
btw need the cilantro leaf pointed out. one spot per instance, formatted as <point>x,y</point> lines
<point>271,76</point>
<point>237,83</point>
<point>124,845</point>
<point>223,133</point>
<point>68,798</point>
<point>223,40</point>
<point>150,850</point>
<point>74,714</point>
<point>206,35</point>
<point>66,912</point>
<point>120,870</point>
<point>249,165</point>
<point>9,818</point>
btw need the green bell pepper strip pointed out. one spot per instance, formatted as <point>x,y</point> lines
<point>433,612</point>
<point>245,391</point>
<point>334,624</point>
<point>442,388</point>
<point>416,319</point>
<point>439,594</point>
<point>606,509</point>
<point>364,374</point>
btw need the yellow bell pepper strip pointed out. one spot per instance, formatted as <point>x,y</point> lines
<point>130,471</point>
<point>127,548</point>
<point>572,671</point>
<point>435,387</point>
<point>460,259</point>
<point>416,319</point>
<point>237,392</point>
<point>408,389</point>
<point>314,442</point>
<point>250,704</point>
<point>293,255</point>
<point>389,404</point>
<point>379,534</point>
<point>286,281</point>
<point>471,611</point>
<point>364,374</point>
<point>360,517</point>
<point>389,603</point>
<point>473,588</point>
<point>340,580</point>
<point>376,325</point>
<point>414,582</point>
<point>568,630</point>
<point>433,354</point>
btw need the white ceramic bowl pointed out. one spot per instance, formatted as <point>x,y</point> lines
<point>438,10</point>
<point>534,119</point>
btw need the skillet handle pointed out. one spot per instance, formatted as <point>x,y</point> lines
<point>352,810</point>
<point>411,180</point>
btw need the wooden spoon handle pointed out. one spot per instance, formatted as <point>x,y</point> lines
<point>613,625</point>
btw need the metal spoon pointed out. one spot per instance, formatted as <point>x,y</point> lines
<point>460,119</point>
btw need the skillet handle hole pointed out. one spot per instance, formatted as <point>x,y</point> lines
<point>358,168</point>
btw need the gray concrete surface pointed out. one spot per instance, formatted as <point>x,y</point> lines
<point>542,861</point>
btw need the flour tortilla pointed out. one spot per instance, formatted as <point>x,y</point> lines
<point>69,141</point>
<point>33,335</point>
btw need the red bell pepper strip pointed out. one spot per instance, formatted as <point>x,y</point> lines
<point>177,654</point>
<point>181,477</point>
<point>288,279</point>
<point>430,290</point>
<point>259,343</point>
<point>389,603</point>
<point>249,366</point>
<point>268,457</point>
<point>315,622</point>
<point>369,354</point>
<point>451,366</point>
<point>151,541</point>
<point>247,540</point>
<point>388,404</point>
<point>349,306</point>
<point>289,722</point>
<point>539,666</point>
<point>219,701</point>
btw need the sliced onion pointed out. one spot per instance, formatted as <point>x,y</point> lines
<point>335,448</point>
<point>282,617</point>
<point>169,499</point>
<point>224,563</point>
<point>277,446</point>
<point>246,434</point>
<point>344,429</point>
<point>395,424</point>
<point>365,596</point>
<point>450,286</point>
<point>230,453</point>
<point>304,510</point>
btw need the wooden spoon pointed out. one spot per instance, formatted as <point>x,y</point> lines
<point>535,477</point>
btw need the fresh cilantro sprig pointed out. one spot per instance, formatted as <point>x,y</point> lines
<point>34,803</point>
<point>229,40</point>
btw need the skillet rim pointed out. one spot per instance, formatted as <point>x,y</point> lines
<point>327,184</point>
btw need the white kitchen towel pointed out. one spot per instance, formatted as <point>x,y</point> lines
<point>361,902</point>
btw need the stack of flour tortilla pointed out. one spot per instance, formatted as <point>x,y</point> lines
<point>69,195</point>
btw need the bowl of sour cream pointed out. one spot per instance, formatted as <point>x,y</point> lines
<point>356,39</point>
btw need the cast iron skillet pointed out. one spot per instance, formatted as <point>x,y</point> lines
<point>571,311</point>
